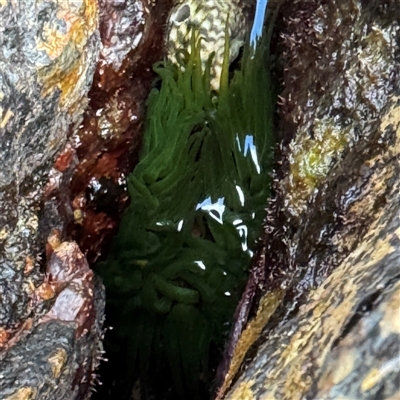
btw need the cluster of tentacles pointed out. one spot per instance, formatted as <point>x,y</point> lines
<point>179,262</point>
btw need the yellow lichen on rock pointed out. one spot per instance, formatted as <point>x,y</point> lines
<point>268,305</point>
<point>319,353</point>
<point>65,43</point>
<point>244,392</point>
<point>57,362</point>
<point>25,393</point>
<point>5,116</point>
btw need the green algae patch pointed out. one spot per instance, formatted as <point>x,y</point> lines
<point>311,160</point>
<point>179,262</point>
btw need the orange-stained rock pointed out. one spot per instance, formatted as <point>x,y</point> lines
<point>48,53</point>
<point>108,140</point>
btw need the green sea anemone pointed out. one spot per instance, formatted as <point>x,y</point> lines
<point>179,262</point>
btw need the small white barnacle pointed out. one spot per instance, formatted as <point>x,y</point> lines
<point>210,18</point>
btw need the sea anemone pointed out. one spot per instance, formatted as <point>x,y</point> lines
<point>179,262</point>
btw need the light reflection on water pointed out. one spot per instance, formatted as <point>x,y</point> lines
<point>249,147</point>
<point>200,264</point>
<point>256,30</point>
<point>243,233</point>
<point>180,225</point>
<point>215,210</point>
<point>241,194</point>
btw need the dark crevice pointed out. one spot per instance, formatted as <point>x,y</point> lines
<point>365,307</point>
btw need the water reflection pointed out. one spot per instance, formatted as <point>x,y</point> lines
<point>200,264</point>
<point>242,230</point>
<point>180,225</point>
<point>249,147</point>
<point>241,194</point>
<point>256,30</point>
<point>215,210</point>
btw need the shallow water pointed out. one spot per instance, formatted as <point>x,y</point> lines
<point>179,262</point>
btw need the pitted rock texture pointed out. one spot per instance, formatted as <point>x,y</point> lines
<point>328,271</point>
<point>45,74</point>
<point>48,347</point>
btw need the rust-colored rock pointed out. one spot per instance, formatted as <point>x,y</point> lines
<point>108,141</point>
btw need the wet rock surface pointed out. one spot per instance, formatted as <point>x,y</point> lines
<point>107,143</point>
<point>46,279</point>
<point>40,97</point>
<point>328,273</point>
<point>51,307</point>
<point>324,293</point>
<point>56,357</point>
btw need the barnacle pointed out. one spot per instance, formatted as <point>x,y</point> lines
<point>178,264</point>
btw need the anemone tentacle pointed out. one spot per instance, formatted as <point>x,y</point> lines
<point>179,261</point>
